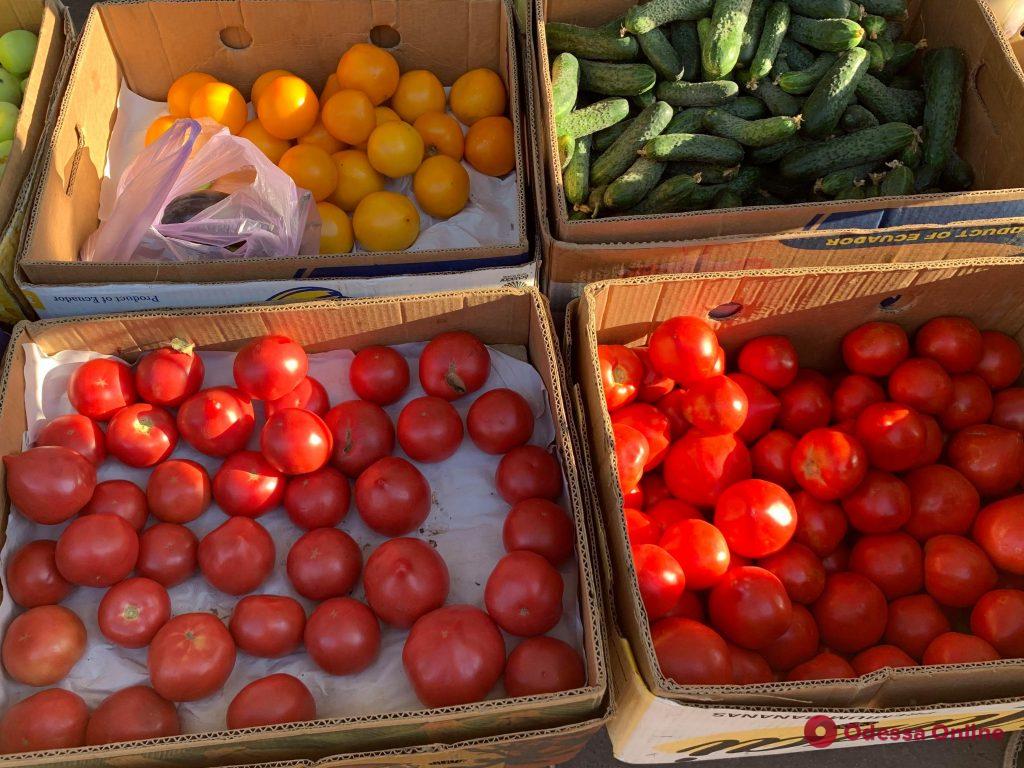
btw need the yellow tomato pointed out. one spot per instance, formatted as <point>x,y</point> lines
<point>263,81</point>
<point>288,107</point>
<point>441,186</point>
<point>477,94</point>
<point>386,221</point>
<point>491,146</point>
<point>381,115</point>
<point>395,149</point>
<point>319,137</point>
<point>179,95</point>
<point>349,117</point>
<point>159,127</point>
<point>372,70</point>
<point>335,229</point>
<point>311,168</point>
<point>418,91</point>
<point>222,103</point>
<point>271,146</point>
<point>441,134</point>
<point>331,87</point>
<point>356,179</point>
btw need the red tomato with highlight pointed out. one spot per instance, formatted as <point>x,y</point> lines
<point>267,626</point>
<point>121,498</point>
<point>308,395</point>
<point>429,429</point>
<point>653,424</point>
<point>685,349</point>
<point>825,666</point>
<point>178,491</point>
<point>922,384</point>
<point>653,385</point>
<point>715,406</point>
<point>1001,360</point>
<point>405,578</point>
<point>670,511</point>
<point>97,551</point>
<point>523,594</point>
<point>953,342</point>
<point>770,458</point>
<point>271,700</point>
<point>51,719</point>
<point>362,433</point>
<point>141,435</point>
<point>756,517</point>
<point>132,714</point>
<point>690,653</point>
<point>991,457</point>
<point>853,394</point>
<point>454,364</point>
<point>379,375</point>
<point>958,648</point>
<point>132,611</point>
<point>772,360</point>
<point>805,405</point>
<point>42,644</point>
<point>317,500</point>
<point>324,563</point>
<point>880,504</point>
<point>749,668</point>
<point>169,375</point>
<point>894,436</point>
<point>820,526</point>
<point>749,607</point>
<point>700,550</point>
<point>828,464</point>
<point>1008,409</point>
<point>32,575</point>
<point>296,442</point>
<point>956,571</point>
<point>999,530</point>
<point>941,501</point>
<point>971,404</point>
<point>633,499</point>
<point>875,349</point>
<point>622,374</point>
<point>671,405</point>
<point>880,657</point>
<point>799,643</point>
<point>851,613</point>
<point>541,665</point>
<point>631,452</point>
<point>699,467</point>
<point>498,421</point>
<point>78,433</point>
<point>270,367</point>
<point>237,556</point>
<point>541,526</point>
<point>342,636</point>
<point>101,387</point>
<point>641,528</point>
<point>217,421</point>
<point>799,570</point>
<point>998,618</point>
<point>762,408</point>
<point>191,657</point>
<point>914,622</point>
<point>893,561</point>
<point>168,554</point>
<point>660,579</point>
<point>528,472</point>
<point>49,484</point>
<point>248,485</point>
<point>392,497</point>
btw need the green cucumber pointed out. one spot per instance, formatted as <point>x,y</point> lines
<point>725,38</point>
<point>621,154</point>
<point>662,56</point>
<point>762,198</point>
<point>593,118</point>
<point>833,183</point>
<point>670,196</point>
<point>873,26</point>
<point>706,94</point>
<point>579,215</point>
<point>751,133</point>
<point>709,174</point>
<point>590,43</point>
<point>797,56</point>
<point>752,31</point>
<point>689,120</point>
<point>827,102</point>
<point>945,70</point>
<point>833,35</point>
<point>823,9</point>
<point>687,44</point>
<point>777,100</point>
<point>633,185</point>
<point>643,100</point>
<point>775,152</point>
<point>903,53</point>
<point>802,81</point>
<point>565,83</point>
<point>745,180</point>
<point>957,175</point>
<point>776,22</point>
<point>727,199</point>
<point>905,81</point>
<point>566,149</point>
<point>703,34</point>
<point>876,56</point>
<point>576,176</point>
<point>898,182</point>
<point>643,18</point>
<point>784,188</point>
<point>694,147</point>
<point>613,27</point>
<point>871,144</point>
<point>888,104</point>
<point>747,107</point>
<point>911,156</point>
<point>890,9</point>
<point>605,138</point>
<point>610,79</point>
<point>857,118</point>
<point>893,31</point>
<point>595,202</point>
<point>779,67</point>
<point>856,191</point>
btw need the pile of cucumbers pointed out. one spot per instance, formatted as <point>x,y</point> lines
<point>686,105</point>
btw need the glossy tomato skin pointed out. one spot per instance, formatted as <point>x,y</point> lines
<point>141,435</point>
<point>132,611</point>
<point>641,528</point>
<point>543,665</point>
<point>972,403</point>
<point>379,375</point>
<point>851,613</point>
<point>690,606</point>
<point>700,550</point>
<point>653,424</point>
<point>853,394</point>
<point>894,562</point>
<point>523,594</point>
<point>247,485</point>
<point>684,349</point>
<point>324,563</point>
<point>820,525</point>
<point>271,700</point>
<point>296,442</point>
<point>217,421</point>
<point>934,442</point>
<point>132,714</point>
<point>270,367</point>
<point>654,489</point>
<point>748,667</point>
<point>405,578</point>
<point>762,408</point>
<point>97,550</point>
<point>317,500</point>
<point>954,342</point>
<point>77,432</point>
<point>268,626</point>
<point>528,472</point>
<point>1001,360</point>
<point>121,498</point>
<point>691,653</point>
<point>880,657</point>
<point>913,622</point>
<point>169,375</point>
<point>49,484</point>
<point>756,517</point>
<point>668,512</point>
<point>998,618</point>
<point>237,556</point>
<point>660,579</point>
<point>178,491</point>
<point>699,468</point>
<point>715,406</point>
<point>454,364</point>
<point>921,384</point>
<point>429,429</point>
<point>958,648</point>
<point>362,432</point>
<point>875,349</point>
<point>799,570</point>
<point>51,719</point>
<point>342,636</point>
<point>308,395</point>
<point>825,666</point>
<point>392,497</point>
<point>799,643</point>
<point>770,458</point>
<point>999,530</point>
<point>168,554</point>
<point>500,420</point>
<point>805,405</point>
<point>880,504</point>
<point>956,571</point>
<point>540,526</point>
<point>941,500</point>
<point>837,561</point>
<point>772,360</point>
<point>749,607</point>
<point>100,388</point>
<point>191,657</point>
<point>42,644</point>
<point>653,385</point>
<point>631,454</point>
<point>622,374</point>
<point>991,457</point>
<point>32,575</point>
<point>828,464</point>
<point>894,436</point>
<point>1008,409</point>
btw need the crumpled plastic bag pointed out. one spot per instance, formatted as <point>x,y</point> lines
<point>262,215</point>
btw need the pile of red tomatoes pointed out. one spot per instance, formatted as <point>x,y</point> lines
<point>313,460</point>
<point>788,524</point>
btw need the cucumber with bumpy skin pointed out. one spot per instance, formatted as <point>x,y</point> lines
<point>887,104</point>
<point>728,20</point>
<point>751,133</point>
<point>613,27</point>
<point>776,22</point>
<point>827,102</point>
<point>576,176</point>
<point>593,118</point>
<point>587,43</point>
<point>631,187</point>
<point>890,9</point>
<point>747,107</point>
<point>945,71</point>
<point>775,152</point>
<point>605,138</point>
<point>610,79</point>
<point>644,18</point>
<point>668,197</point>
<point>707,94</point>
<point>802,81</point>
<point>833,183</point>
<point>873,26</point>
<point>876,56</point>
<point>911,156</point>
<point>727,199</point>
<point>752,31</point>
<point>618,157</point>
<point>903,53</point>
<point>958,175</point>
<point>643,100</point>
<point>897,182</point>
<point>595,202</point>
<point>797,56</point>
<point>565,83</point>
<point>686,42</point>
<point>694,147</point>
<point>823,9</point>
<point>833,35</point>
<point>857,118</point>
<point>853,192</point>
<point>662,56</point>
<point>689,120</point>
<point>566,149</point>
<point>777,100</point>
<point>709,174</point>
<point>871,144</point>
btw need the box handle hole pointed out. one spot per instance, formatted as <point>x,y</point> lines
<point>385,36</point>
<point>725,311</point>
<point>236,37</point>
<point>889,304</point>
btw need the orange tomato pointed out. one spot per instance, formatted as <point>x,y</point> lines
<point>179,95</point>
<point>356,179</point>
<point>222,103</point>
<point>318,136</point>
<point>263,81</point>
<point>395,149</point>
<point>386,221</point>
<point>349,117</point>
<point>331,87</point>
<point>271,146</point>
<point>288,107</point>
<point>310,168</point>
<point>418,91</point>
<point>372,70</point>
<point>382,115</point>
<point>335,229</point>
<point>441,186</point>
<point>477,94</point>
<point>441,134</point>
<point>158,128</point>
<point>491,146</point>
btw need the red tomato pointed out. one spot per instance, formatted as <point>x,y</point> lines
<point>851,613</point>
<point>178,491</point>
<point>684,349</point>
<point>999,530</point>
<point>324,563</point>
<point>454,364</point>
<point>958,648</point>
<point>670,511</point>
<point>880,657</point>
<point>631,454</point>
<point>121,498</point>
<point>838,561</point>
<point>392,497</point>
<point>141,435</point>
<point>499,421</point>
<point>97,551</point>
<point>749,668</point>
<point>956,571</point>
<point>770,458</point>
<point>875,349</point>
<point>169,375</point>
<point>998,618</point>
<point>523,594</point>
<point>217,421</point>
<point>309,395</point>
<point>914,622</point>
<point>653,424</point>
<point>49,484</point>
<point>362,433</point>
<point>541,665</point>
<point>317,500</point>
<point>32,575</point>
<point>100,388</point>
<point>853,394</point>
<point>799,643</point>
<point>653,385</point>
<point>825,666</point>
<point>941,501</point>
<point>880,504</point>
<point>954,342</point>
<point>622,374</point>
<point>132,611</point>
<point>991,457</point>
<point>168,554</point>
<point>894,436</point>
<point>296,442</point>
<point>191,657</point>
<point>749,607</point>
<point>132,714</point>
<point>247,485</point>
<point>756,517</point>
<point>699,468</point>
<point>893,561</point>
<point>653,489</point>
<point>379,375</point>
<point>237,556</point>
<point>690,653</point>
<point>641,528</point>
<point>971,404</point>
<point>772,360</point>
<point>42,644</point>
<point>934,443</point>
<point>921,384</point>
<point>762,408</point>
<point>799,570</point>
<point>270,367</point>
<point>50,719</point>
<point>660,579</point>
<point>528,472</point>
<point>828,464</point>
<point>271,700</point>
<point>405,579</point>
<point>342,636</point>
<point>633,499</point>
<point>454,655</point>
<point>429,429</point>
<point>1008,409</point>
<point>268,626</point>
<point>700,550</point>
<point>541,526</point>
<point>715,406</point>
<point>805,405</point>
<point>688,607</point>
<point>1001,360</point>
<point>77,432</point>
<point>820,525</point>
<point>671,405</point>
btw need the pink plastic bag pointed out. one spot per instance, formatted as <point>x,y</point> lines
<point>264,213</point>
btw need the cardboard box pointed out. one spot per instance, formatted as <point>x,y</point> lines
<point>989,140</point>
<point>237,41</point>
<point>515,317</point>
<point>660,721</point>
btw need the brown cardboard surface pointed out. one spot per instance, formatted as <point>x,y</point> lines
<point>499,317</point>
<point>149,44</point>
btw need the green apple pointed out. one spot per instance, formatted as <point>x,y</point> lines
<point>23,83</point>
<point>10,88</point>
<point>5,152</point>
<point>8,119</point>
<point>17,50</point>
